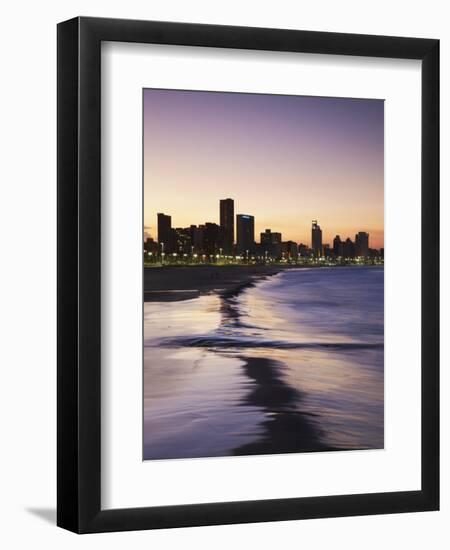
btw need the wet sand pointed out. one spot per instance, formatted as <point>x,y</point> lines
<point>286,428</point>
<point>173,283</point>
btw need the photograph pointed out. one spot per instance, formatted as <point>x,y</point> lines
<point>263,274</point>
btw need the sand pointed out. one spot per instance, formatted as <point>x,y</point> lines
<point>174,283</point>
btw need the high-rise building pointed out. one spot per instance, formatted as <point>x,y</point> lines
<point>362,244</point>
<point>337,246</point>
<point>198,234</point>
<point>290,249</point>
<point>348,248</point>
<point>271,243</point>
<point>266,238</point>
<point>165,238</point>
<point>316,239</point>
<point>183,241</point>
<point>303,250</point>
<point>227,224</point>
<point>245,225</point>
<point>276,238</point>
<point>211,238</point>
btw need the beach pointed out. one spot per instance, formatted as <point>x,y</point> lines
<point>262,360</point>
<point>176,283</point>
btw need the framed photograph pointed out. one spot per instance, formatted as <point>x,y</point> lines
<point>248,259</point>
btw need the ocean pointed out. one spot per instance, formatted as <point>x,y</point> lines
<point>291,363</point>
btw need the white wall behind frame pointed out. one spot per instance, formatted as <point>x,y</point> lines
<point>27,403</point>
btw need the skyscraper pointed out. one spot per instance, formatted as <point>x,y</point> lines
<point>211,238</point>
<point>227,224</point>
<point>316,239</point>
<point>165,231</point>
<point>362,244</point>
<point>266,238</point>
<point>245,233</point>
<point>337,246</point>
<point>349,248</point>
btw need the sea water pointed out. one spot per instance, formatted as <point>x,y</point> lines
<point>292,363</point>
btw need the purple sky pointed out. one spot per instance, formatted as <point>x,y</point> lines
<point>284,159</point>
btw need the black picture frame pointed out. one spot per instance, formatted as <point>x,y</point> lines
<point>79,281</point>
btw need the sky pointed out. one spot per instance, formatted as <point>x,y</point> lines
<point>287,160</point>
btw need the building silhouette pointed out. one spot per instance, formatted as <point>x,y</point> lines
<point>150,246</point>
<point>316,239</point>
<point>245,225</point>
<point>290,250</point>
<point>303,250</point>
<point>266,238</point>
<point>348,248</point>
<point>211,238</point>
<point>362,244</point>
<point>271,244</point>
<point>227,224</point>
<point>165,236</point>
<point>183,241</point>
<point>337,247</point>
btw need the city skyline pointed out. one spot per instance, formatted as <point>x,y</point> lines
<point>212,240</point>
<point>287,160</point>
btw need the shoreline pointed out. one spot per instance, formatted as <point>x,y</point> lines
<point>173,284</point>
<point>179,283</point>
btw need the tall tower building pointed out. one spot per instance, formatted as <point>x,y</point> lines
<point>165,231</point>
<point>362,244</point>
<point>227,224</point>
<point>245,233</point>
<point>337,246</point>
<point>316,239</point>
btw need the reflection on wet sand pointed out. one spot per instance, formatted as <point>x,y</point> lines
<point>286,429</point>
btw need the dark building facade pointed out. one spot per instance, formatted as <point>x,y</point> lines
<point>227,224</point>
<point>165,236</point>
<point>198,237</point>
<point>348,248</point>
<point>337,247</point>
<point>362,244</point>
<point>290,250</point>
<point>211,238</point>
<point>266,238</point>
<point>150,246</point>
<point>182,238</point>
<point>245,225</point>
<point>316,239</point>
<point>271,244</point>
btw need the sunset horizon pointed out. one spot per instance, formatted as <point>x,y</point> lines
<point>286,160</point>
